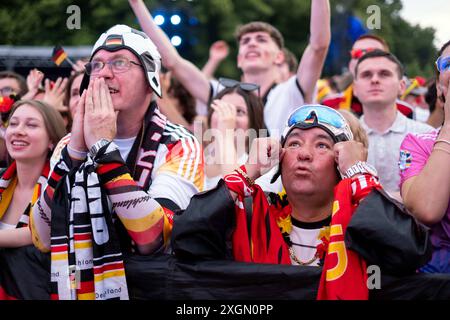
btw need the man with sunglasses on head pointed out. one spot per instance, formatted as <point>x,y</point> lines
<point>260,54</point>
<point>118,181</point>
<point>326,179</point>
<point>378,83</point>
<point>347,100</point>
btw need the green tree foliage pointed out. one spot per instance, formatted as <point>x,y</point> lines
<point>43,22</point>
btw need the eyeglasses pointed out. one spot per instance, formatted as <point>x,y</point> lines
<point>6,91</point>
<point>118,65</point>
<point>358,53</point>
<point>318,115</point>
<point>230,83</point>
<point>443,64</point>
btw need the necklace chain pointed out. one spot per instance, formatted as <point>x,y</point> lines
<point>306,263</point>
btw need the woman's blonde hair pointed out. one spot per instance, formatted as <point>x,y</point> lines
<point>359,134</point>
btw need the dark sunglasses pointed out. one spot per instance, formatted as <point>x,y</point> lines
<point>230,83</point>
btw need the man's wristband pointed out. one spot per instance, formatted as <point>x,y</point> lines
<point>76,154</point>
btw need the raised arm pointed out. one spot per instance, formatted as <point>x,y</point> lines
<point>217,52</point>
<point>313,59</point>
<point>186,72</point>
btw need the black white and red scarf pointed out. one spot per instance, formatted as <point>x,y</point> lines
<point>7,178</point>
<point>86,257</point>
<point>261,240</point>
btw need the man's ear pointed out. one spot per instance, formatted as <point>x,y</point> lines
<point>401,86</point>
<point>280,58</point>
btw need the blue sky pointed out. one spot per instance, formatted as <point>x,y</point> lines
<point>429,13</point>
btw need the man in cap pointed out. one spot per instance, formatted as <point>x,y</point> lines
<point>315,147</point>
<point>325,177</point>
<point>124,172</point>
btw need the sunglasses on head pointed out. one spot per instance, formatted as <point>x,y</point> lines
<point>321,115</point>
<point>230,83</point>
<point>443,64</point>
<point>358,53</point>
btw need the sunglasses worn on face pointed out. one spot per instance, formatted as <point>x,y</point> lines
<point>358,53</point>
<point>443,64</point>
<point>230,83</point>
<point>321,115</point>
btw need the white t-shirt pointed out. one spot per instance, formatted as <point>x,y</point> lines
<point>281,101</point>
<point>304,237</point>
<point>124,146</point>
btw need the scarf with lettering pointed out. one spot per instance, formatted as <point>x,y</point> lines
<point>259,238</point>
<point>86,256</point>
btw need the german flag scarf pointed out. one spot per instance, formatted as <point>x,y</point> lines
<point>8,183</point>
<point>86,256</point>
<point>260,238</point>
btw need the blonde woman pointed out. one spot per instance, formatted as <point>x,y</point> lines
<point>33,130</point>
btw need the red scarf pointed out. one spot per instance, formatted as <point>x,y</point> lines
<point>342,278</point>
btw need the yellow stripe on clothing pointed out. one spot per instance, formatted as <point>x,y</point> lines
<point>144,223</point>
<point>86,296</point>
<point>83,245</point>
<point>109,274</point>
<point>59,256</point>
<point>125,176</point>
<point>7,197</point>
<point>35,235</point>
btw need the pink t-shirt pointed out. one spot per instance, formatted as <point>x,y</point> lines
<point>414,153</point>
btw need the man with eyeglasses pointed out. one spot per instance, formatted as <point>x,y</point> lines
<point>327,183</point>
<point>259,57</point>
<point>124,172</point>
<point>347,100</point>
